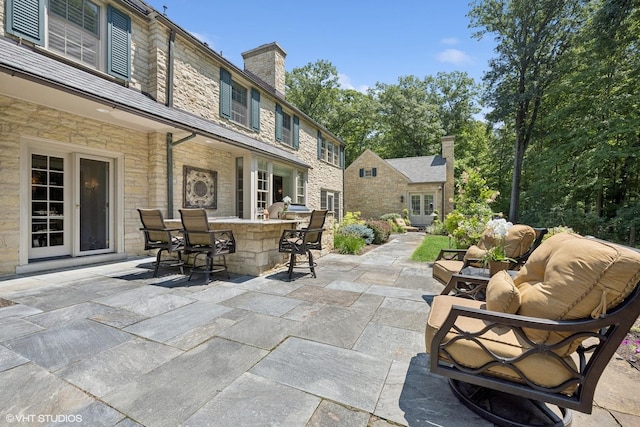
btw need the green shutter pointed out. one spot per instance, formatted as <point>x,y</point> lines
<point>319,145</point>
<point>296,132</point>
<point>25,18</point>
<point>119,44</point>
<point>361,172</point>
<point>278,122</point>
<point>225,93</point>
<point>255,109</point>
<point>374,172</point>
<point>342,156</point>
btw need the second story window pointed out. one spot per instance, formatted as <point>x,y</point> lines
<point>330,152</point>
<point>239,103</point>
<point>74,30</point>
<point>235,103</point>
<point>78,29</point>
<point>287,128</point>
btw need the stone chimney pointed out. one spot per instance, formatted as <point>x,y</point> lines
<point>447,194</point>
<point>267,63</point>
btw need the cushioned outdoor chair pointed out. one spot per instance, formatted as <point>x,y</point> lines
<point>158,236</point>
<point>520,242</point>
<point>542,337</point>
<point>402,223</point>
<point>303,241</point>
<point>200,240</point>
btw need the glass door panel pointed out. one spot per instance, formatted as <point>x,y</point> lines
<point>95,217</point>
<point>48,207</point>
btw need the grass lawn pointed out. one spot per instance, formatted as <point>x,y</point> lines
<point>430,248</point>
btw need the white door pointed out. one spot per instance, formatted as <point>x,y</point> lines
<point>71,204</point>
<point>420,208</point>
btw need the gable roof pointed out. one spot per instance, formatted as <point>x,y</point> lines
<point>18,60</point>
<point>421,169</point>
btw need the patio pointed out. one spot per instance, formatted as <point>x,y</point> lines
<point>110,345</point>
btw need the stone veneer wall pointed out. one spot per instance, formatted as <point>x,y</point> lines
<point>20,119</point>
<point>383,191</point>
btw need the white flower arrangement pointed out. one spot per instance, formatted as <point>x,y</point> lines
<point>500,227</point>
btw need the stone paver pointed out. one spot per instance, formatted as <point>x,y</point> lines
<point>113,346</point>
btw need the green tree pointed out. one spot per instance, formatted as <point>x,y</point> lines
<point>314,89</point>
<point>531,38</point>
<point>410,124</point>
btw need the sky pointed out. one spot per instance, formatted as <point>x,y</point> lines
<point>367,41</point>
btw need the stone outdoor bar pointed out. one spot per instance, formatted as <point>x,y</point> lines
<point>257,241</point>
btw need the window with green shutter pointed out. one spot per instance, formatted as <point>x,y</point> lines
<point>25,19</point>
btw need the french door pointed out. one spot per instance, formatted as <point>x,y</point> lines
<point>420,208</point>
<point>71,205</point>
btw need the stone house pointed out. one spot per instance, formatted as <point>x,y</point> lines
<point>111,106</point>
<point>422,185</point>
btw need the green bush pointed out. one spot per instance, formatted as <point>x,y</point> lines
<point>359,230</point>
<point>348,243</point>
<point>395,228</point>
<point>381,231</point>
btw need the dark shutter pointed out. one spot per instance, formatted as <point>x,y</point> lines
<point>278,122</point>
<point>342,156</point>
<point>255,109</point>
<point>361,172</point>
<point>319,145</point>
<point>118,44</point>
<point>374,171</point>
<point>225,93</point>
<point>25,18</point>
<point>296,132</point>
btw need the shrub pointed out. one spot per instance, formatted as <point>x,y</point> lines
<point>381,231</point>
<point>348,243</point>
<point>358,230</point>
<point>350,218</point>
<point>395,228</point>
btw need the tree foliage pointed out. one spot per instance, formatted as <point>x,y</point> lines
<point>531,38</point>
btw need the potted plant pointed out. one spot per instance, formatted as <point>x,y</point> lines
<point>495,258</point>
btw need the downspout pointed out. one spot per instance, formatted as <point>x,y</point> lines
<point>169,91</point>
<point>170,145</point>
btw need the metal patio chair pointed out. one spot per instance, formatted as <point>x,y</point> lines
<point>302,241</point>
<point>158,236</point>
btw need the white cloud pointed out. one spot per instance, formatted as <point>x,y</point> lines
<point>454,56</point>
<point>204,38</point>
<point>450,41</point>
<point>345,83</point>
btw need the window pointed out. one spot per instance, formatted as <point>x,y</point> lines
<point>238,103</point>
<point>368,172</point>
<point>262,196</point>
<point>74,29</point>
<point>234,102</point>
<point>300,188</point>
<point>330,200</point>
<point>287,128</point>
<point>330,152</point>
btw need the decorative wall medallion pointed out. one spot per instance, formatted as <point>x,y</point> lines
<point>200,188</point>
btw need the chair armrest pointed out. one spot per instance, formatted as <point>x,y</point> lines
<point>162,229</point>
<point>467,286</point>
<point>451,254</point>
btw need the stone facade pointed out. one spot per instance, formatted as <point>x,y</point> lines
<point>138,148</point>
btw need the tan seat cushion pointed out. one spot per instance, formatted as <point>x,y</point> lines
<point>502,294</point>
<point>518,240</point>
<point>574,277</point>
<point>443,269</point>
<point>500,341</point>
